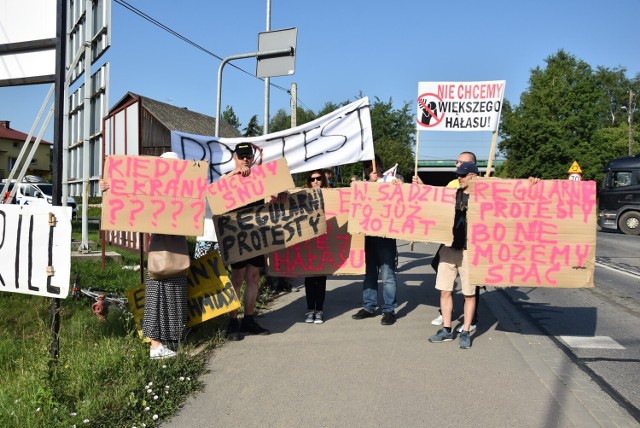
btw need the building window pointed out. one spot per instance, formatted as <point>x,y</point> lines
<point>15,145</point>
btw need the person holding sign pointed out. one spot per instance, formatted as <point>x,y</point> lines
<point>453,262</point>
<point>380,258</point>
<point>455,184</point>
<point>247,270</point>
<point>315,287</point>
<point>165,304</point>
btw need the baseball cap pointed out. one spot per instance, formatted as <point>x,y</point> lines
<point>467,168</point>
<point>170,155</point>
<point>244,150</point>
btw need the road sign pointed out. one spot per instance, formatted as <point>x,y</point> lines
<point>100,22</point>
<point>276,65</point>
<point>575,168</point>
<point>575,177</point>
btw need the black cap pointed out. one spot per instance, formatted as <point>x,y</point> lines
<point>467,168</point>
<point>244,150</point>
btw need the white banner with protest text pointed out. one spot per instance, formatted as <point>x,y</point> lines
<point>341,137</point>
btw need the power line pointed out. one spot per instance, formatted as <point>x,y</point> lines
<point>157,23</point>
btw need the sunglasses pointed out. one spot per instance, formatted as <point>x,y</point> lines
<point>243,157</point>
<point>462,175</point>
<point>315,179</point>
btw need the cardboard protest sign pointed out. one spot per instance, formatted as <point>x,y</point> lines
<point>229,193</point>
<point>154,195</point>
<point>209,293</point>
<point>459,106</point>
<point>413,212</point>
<point>34,250</point>
<point>340,137</point>
<point>262,228</point>
<point>541,235</point>
<point>334,253</point>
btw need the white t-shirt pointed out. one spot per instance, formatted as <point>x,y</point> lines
<point>209,230</point>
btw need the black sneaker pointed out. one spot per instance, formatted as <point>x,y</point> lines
<point>249,325</point>
<point>233,330</point>
<point>388,318</point>
<point>362,314</point>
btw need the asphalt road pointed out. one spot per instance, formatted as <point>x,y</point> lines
<point>598,328</point>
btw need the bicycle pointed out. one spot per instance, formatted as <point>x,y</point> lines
<point>102,298</point>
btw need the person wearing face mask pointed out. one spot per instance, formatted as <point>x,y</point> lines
<point>453,263</point>
<point>315,287</point>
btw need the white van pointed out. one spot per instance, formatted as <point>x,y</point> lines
<point>29,193</point>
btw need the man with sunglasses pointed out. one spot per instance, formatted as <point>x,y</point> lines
<point>455,184</point>
<point>245,270</point>
<point>453,263</point>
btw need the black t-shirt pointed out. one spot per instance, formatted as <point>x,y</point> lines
<point>460,221</point>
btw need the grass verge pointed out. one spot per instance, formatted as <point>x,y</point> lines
<point>103,377</point>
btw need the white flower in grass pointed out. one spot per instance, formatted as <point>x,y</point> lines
<point>181,378</point>
<point>73,414</point>
<point>166,387</point>
<point>166,392</point>
<point>150,391</point>
<point>38,409</point>
<point>146,409</point>
<point>150,384</point>
<point>155,417</point>
<point>189,379</point>
<point>86,421</point>
<point>155,397</point>
<point>164,366</point>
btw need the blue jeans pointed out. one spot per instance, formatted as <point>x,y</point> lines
<point>380,258</point>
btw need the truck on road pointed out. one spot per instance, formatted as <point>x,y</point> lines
<point>619,196</point>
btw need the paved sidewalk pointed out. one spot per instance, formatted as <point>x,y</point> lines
<point>349,373</point>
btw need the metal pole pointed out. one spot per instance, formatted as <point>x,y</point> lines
<point>267,80</point>
<point>86,116</point>
<point>288,51</point>
<point>58,102</point>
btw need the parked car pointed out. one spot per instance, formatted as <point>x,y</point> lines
<point>35,193</point>
<point>619,197</point>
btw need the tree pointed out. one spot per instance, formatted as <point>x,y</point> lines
<point>393,139</point>
<point>557,118</point>
<point>253,128</point>
<point>229,116</point>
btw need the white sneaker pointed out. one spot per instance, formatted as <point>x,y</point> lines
<point>471,329</point>
<point>438,320</point>
<point>161,353</point>
<point>310,317</point>
<point>318,319</point>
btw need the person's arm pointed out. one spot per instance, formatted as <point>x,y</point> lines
<point>416,179</point>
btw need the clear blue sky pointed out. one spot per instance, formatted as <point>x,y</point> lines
<point>379,49</point>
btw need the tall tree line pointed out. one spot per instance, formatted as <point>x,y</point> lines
<point>570,112</point>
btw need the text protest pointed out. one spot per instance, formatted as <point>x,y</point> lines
<point>260,229</point>
<point>154,195</point>
<point>231,192</point>
<point>414,212</point>
<point>209,293</point>
<point>540,235</point>
<point>340,137</point>
<point>34,250</point>
<point>334,253</point>
<point>459,106</point>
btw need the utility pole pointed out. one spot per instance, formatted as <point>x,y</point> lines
<point>294,105</point>
<point>632,109</point>
<point>267,80</point>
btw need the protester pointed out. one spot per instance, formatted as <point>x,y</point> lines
<point>165,305</point>
<point>328,173</point>
<point>380,259</point>
<point>455,184</point>
<point>246,271</point>
<point>315,287</point>
<point>453,262</point>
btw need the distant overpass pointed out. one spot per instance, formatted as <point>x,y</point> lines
<point>440,172</point>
